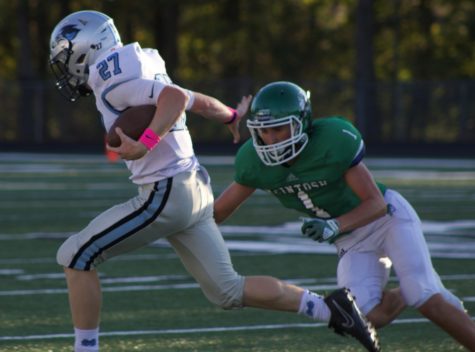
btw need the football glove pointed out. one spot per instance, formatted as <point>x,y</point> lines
<point>319,229</point>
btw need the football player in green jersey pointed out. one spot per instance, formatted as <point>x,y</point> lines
<point>316,167</point>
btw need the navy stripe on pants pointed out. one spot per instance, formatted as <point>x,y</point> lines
<point>122,229</point>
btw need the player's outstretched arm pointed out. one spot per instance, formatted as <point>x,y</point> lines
<point>228,201</point>
<point>372,206</point>
<point>212,108</point>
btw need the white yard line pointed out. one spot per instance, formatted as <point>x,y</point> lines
<point>319,284</point>
<point>286,238</point>
<point>229,160</point>
<point>194,330</point>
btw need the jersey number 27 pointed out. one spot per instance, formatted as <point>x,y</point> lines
<point>110,64</point>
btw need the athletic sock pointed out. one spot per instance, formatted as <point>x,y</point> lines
<point>313,306</point>
<point>86,340</point>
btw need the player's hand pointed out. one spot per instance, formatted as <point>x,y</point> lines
<point>319,229</point>
<point>241,110</point>
<point>128,149</point>
<point>243,106</point>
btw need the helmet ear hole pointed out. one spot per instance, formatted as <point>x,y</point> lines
<point>80,59</point>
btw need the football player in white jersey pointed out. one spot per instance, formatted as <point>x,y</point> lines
<point>174,200</point>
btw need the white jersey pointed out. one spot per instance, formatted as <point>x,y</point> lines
<point>130,76</point>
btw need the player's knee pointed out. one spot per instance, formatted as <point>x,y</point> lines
<point>229,295</point>
<point>366,297</point>
<point>423,298</point>
<point>64,254</point>
<point>392,304</point>
<point>417,291</point>
<point>453,300</point>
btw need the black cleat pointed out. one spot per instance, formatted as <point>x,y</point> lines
<point>346,318</point>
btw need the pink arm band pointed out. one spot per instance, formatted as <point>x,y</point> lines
<point>234,112</point>
<point>149,138</point>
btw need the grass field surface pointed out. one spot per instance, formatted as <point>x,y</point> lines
<point>152,304</point>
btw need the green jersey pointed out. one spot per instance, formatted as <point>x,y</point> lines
<point>314,183</point>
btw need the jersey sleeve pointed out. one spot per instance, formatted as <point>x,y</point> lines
<point>346,146</point>
<point>245,166</point>
<point>139,91</point>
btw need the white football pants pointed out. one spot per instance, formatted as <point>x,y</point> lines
<point>179,209</point>
<point>367,252</point>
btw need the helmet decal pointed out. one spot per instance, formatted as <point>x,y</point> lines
<point>68,32</point>
<point>302,101</point>
<point>263,115</point>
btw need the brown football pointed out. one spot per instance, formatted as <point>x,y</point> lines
<point>133,122</point>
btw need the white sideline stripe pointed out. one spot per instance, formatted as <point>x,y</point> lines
<point>135,288</point>
<point>288,229</point>
<point>284,239</point>
<point>104,280</point>
<point>196,330</point>
<point>18,273</point>
<point>39,158</point>
<point>171,331</point>
<point>52,291</point>
<point>130,257</point>
<point>131,288</point>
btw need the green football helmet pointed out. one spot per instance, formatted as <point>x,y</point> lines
<point>279,104</point>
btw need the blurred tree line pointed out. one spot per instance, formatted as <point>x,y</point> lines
<point>402,70</point>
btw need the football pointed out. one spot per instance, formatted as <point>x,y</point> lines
<point>132,121</point>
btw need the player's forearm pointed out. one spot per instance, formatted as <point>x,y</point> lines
<point>372,205</point>
<point>211,108</point>
<point>224,206</point>
<point>220,215</point>
<point>230,200</point>
<point>368,211</point>
<point>170,106</point>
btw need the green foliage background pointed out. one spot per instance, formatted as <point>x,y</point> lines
<point>403,70</point>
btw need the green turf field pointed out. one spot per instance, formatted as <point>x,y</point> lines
<point>151,304</point>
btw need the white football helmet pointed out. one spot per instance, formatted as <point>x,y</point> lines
<point>75,44</point>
